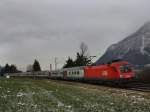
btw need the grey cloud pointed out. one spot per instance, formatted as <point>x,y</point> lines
<point>44,29</point>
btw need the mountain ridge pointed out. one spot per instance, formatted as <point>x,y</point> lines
<point>135,48</point>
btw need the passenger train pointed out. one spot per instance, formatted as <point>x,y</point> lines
<point>119,72</point>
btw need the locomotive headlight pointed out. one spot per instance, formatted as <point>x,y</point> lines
<point>121,76</point>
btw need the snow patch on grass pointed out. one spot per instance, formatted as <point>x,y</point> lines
<point>60,104</point>
<point>8,91</point>
<point>22,104</point>
<point>4,96</point>
<point>20,94</point>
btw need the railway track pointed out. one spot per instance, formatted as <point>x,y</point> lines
<point>138,86</point>
<point>135,86</point>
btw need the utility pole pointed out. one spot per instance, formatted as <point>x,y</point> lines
<point>56,63</point>
<point>51,67</point>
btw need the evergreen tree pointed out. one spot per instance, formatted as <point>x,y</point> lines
<point>13,69</point>
<point>36,66</point>
<point>82,60</point>
<point>79,60</point>
<point>69,63</point>
<point>82,57</point>
<point>7,68</point>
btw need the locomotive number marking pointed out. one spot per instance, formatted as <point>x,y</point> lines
<point>104,73</point>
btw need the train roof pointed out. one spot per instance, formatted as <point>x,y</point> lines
<point>74,68</point>
<point>114,63</point>
<point>120,63</point>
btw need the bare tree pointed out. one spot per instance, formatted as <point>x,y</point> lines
<point>83,49</point>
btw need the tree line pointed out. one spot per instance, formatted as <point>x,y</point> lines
<point>13,68</point>
<point>82,59</point>
<point>9,69</point>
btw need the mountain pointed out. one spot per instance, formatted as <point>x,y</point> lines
<point>134,48</point>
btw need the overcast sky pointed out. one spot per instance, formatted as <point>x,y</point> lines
<point>43,29</point>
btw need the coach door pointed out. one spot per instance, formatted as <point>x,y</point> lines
<point>65,74</point>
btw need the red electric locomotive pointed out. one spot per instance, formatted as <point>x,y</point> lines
<point>117,71</point>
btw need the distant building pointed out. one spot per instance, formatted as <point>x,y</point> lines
<point>29,68</point>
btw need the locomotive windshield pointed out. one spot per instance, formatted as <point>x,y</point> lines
<point>125,68</point>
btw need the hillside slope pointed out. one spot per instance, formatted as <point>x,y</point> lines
<point>134,48</point>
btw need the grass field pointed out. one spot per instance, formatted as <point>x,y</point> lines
<point>26,95</point>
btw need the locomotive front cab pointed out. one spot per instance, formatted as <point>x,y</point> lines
<point>126,71</point>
